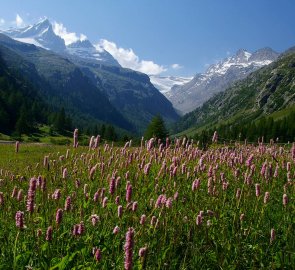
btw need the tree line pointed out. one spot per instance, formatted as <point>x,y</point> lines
<point>280,130</point>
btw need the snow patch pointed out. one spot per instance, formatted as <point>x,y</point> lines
<point>164,84</point>
<point>30,41</point>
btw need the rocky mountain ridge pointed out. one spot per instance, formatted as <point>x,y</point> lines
<point>218,77</point>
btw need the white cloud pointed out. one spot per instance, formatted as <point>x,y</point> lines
<point>2,21</point>
<point>19,21</point>
<point>128,59</point>
<point>176,66</point>
<point>83,37</point>
<point>69,37</point>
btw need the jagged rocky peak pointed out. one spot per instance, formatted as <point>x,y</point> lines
<point>264,54</point>
<point>242,56</point>
<point>218,77</point>
<point>38,29</point>
<point>40,34</point>
<point>42,25</point>
<point>85,43</point>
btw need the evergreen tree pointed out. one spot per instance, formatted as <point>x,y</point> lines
<point>60,120</point>
<point>22,125</point>
<point>156,128</point>
<point>102,131</point>
<point>110,133</point>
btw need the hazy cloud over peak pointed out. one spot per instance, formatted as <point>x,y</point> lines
<point>19,21</point>
<point>128,59</point>
<point>69,37</point>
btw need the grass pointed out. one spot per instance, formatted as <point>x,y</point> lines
<point>171,235</point>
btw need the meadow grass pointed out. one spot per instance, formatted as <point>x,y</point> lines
<point>201,208</point>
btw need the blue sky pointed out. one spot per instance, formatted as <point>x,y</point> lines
<point>174,37</point>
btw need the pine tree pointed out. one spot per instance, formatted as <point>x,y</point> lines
<point>22,126</point>
<point>60,120</point>
<point>156,128</point>
<point>110,133</point>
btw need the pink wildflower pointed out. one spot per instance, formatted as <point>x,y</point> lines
<point>97,254</point>
<point>58,216</point>
<point>128,193</point>
<point>128,248</point>
<point>116,230</point>
<point>94,219</point>
<point>257,190</point>
<point>120,211</point>
<point>134,206</point>
<point>16,146</point>
<point>75,138</point>
<point>266,197</point>
<point>68,203</point>
<point>199,220</point>
<point>142,252</point>
<point>285,200</point>
<point>142,219</point>
<point>19,219</point>
<point>49,233</point>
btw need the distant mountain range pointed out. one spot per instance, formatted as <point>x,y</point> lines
<point>92,86</point>
<point>130,93</point>
<point>60,82</point>
<point>190,95</point>
<point>165,83</point>
<point>266,91</point>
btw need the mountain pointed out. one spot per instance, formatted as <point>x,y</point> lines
<point>264,92</point>
<point>130,92</point>
<point>21,105</point>
<point>84,49</point>
<point>40,34</point>
<point>165,83</point>
<point>60,82</point>
<point>218,77</point>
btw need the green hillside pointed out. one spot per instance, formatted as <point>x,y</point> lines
<point>267,94</point>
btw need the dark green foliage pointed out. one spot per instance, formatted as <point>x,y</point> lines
<point>110,133</point>
<point>60,83</point>
<point>88,92</point>
<point>61,122</point>
<point>280,130</point>
<point>21,104</point>
<point>156,128</point>
<point>130,92</point>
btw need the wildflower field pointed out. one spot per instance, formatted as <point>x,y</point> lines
<point>155,206</point>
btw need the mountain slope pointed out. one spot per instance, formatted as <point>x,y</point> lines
<point>218,77</point>
<point>267,90</point>
<point>60,81</point>
<point>21,106</point>
<point>130,92</point>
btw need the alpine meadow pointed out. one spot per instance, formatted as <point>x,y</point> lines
<point>158,135</point>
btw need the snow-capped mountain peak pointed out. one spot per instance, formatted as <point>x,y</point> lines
<point>242,59</point>
<point>84,49</point>
<point>218,77</point>
<point>38,29</point>
<point>41,34</point>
